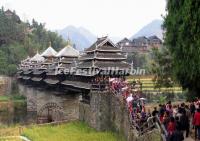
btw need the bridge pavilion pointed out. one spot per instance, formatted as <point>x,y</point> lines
<point>64,66</point>
<point>100,61</point>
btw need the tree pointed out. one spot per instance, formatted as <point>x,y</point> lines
<point>182,38</point>
<point>138,59</point>
<point>19,39</point>
<point>161,68</point>
<point>3,62</point>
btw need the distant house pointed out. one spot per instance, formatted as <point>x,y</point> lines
<point>12,15</point>
<point>141,44</point>
<point>126,45</point>
<point>154,41</point>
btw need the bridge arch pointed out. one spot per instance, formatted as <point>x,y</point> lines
<point>50,112</point>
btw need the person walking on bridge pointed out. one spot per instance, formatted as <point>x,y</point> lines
<point>196,123</point>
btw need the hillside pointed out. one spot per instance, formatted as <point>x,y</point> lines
<point>81,37</point>
<point>19,39</point>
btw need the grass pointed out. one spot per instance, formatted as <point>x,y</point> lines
<point>9,131</point>
<point>14,98</point>
<point>149,85</point>
<point>4,98</point>
<point>74,131</point>
<point>10,139</point>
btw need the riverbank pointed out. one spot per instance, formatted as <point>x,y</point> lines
<point>72,131</point>
<point>12,98</point>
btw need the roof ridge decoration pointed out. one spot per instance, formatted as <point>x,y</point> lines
<point>69,43</point>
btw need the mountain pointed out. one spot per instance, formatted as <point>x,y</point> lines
<point>153,28</point>
<point>81,37</point>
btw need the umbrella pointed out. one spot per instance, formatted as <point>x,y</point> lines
<point>129,99</point>
<point>112,79</point>
<point>142,98</point>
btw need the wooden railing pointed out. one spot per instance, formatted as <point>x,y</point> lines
<point>100,87</point>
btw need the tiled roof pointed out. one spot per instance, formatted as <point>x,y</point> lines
<point>103,64</point>
<point>103,44</point>
<point>26,77</point>
<point>37,79</point>
<point>68,59</point>
<point>103,56</point>
<point>51,81</point>
<point>49,52</point>
<point>77,84</point>
<point>37,58</point>
<point>27,72</point>
<point>38,72</point>
<point>68,51</point>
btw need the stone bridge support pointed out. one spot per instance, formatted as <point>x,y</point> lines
<point>107,112</point>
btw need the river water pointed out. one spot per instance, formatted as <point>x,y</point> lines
<point>41,106</point>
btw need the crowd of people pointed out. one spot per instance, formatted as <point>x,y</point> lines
<point>132,96</point>
<point>178,119</point>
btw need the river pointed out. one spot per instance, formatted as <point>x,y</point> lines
<point>41,105</point>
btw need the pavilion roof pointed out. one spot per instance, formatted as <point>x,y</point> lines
<point>103,56</point>
<point>51,81</point>
<point>37,58</point>
<point>103,44</point>
<point>68,51</point>
<point>68,60</point>
<point>49,52</point>
<point>36,79</point>
<point>103,64</point>
<point>77,84</point>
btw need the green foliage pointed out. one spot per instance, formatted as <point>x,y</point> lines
<point>162,99</point>
<point>75,131</point>
<point>138,59</point>
<point>19,39</point>
<point>161,68</point>
<point>12,68</point>
<point>4,98</point>
<point>182,38</point>
<point>3,62</point>
<point>17,97</point>
<point>13,98</point>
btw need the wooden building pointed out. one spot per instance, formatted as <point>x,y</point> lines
<point>154,41</point>
<point>68,58</point>
<point>66,69</point>
<point>141,44</point>
<point>127,46</point>
<point>38,69</point>
<point>49,65</point>
<point>100,61</point>
<point>24,70</point>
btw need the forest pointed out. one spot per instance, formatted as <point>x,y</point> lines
<point>19,39</point>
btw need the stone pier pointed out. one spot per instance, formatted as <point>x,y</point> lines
<point>107,112</point>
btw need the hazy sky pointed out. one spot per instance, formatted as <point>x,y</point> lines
<point>102,17</point>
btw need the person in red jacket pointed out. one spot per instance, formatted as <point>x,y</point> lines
<point>171,126</point>
<point>196,123</point>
